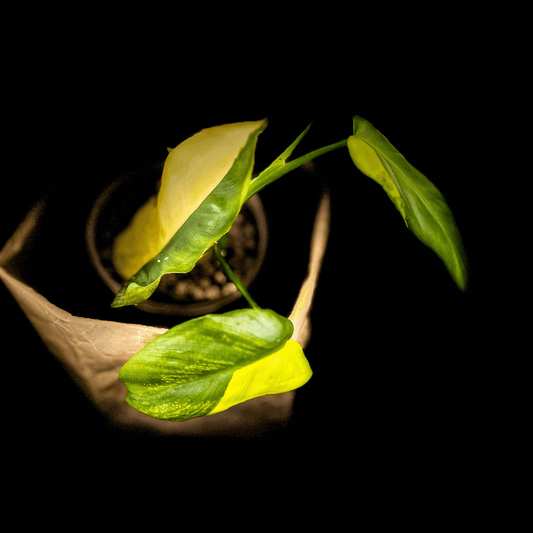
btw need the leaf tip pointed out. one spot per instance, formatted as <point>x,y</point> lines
<point>118,301</point>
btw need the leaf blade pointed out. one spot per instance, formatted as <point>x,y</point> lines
<point>421,204</point>
<point>187,371</point>
<point>199,224</point>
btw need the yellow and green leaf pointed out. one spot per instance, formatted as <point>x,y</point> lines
<point>204,184</point>
<point>420,203</point>
<point>208,364</point>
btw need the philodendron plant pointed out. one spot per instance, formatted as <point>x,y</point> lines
<point>208,364</point>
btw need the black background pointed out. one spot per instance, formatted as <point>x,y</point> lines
<point>415,410</point>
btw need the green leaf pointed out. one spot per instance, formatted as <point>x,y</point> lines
<point>208,364</point>
<point>420,203</point>
<point>205,181</point>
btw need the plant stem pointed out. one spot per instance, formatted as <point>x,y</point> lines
<point>275,171</point>
<point>234,278</point>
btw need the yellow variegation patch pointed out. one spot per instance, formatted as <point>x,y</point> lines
<point>368,162</point>
<point>141,241</point>
<point>285,370</point>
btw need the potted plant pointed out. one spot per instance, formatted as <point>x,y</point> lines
<point>208,364</point>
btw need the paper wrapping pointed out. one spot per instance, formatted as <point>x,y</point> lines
<point>94,350</point>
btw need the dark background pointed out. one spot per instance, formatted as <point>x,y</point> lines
<point>416,403</point>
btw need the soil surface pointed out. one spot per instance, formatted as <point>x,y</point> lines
<point>207,280</point>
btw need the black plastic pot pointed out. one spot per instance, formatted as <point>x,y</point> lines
<point>114,209</point>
